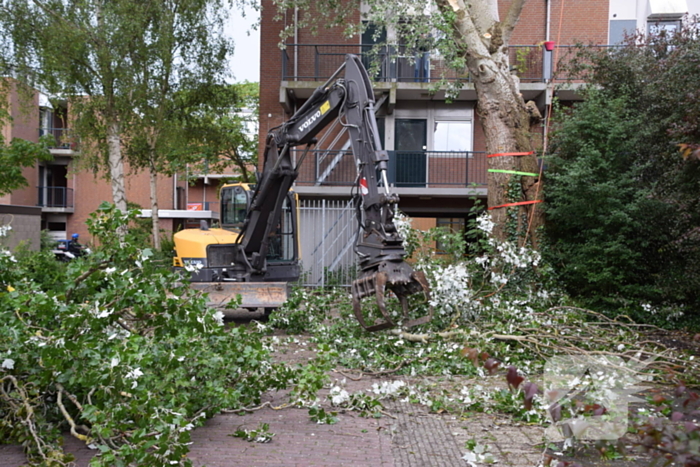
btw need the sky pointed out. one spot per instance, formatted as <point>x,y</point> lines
<point>245,63</point>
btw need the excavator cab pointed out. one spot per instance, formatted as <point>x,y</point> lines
<point>282,240</point>
<point>207,256</point>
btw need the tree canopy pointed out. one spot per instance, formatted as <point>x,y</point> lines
<point>116,61</point>
<point>624,214</point>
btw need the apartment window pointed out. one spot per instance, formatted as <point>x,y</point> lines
<point>621,28</point>
<point>45,121</point>
<point>452,136</point>
<point>663,27</point>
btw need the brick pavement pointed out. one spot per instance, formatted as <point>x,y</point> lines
<point>414,438</point>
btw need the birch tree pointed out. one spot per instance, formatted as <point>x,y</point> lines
<point>117,61</point>
<point>183,48</point>
<point>474,40</point>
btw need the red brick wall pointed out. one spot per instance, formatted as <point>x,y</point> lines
<point>271,112</point>
<point>25,125</point>
<point>584,21</point>
<point>91,191</point>
<point>571,21</point>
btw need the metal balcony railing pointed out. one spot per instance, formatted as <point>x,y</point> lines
<point>416,169</point>
<point>400,63</point>
<point>61,137</point>
<point>55,197</point>
<point>395,63</point>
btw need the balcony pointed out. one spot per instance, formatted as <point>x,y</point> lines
<point>411,75</point>
<point>398,63</point>
<point>317,62</point>
<point>62,142</point>
<point>407,169</point>
<point>55,199</point>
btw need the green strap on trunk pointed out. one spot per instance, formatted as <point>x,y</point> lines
<point>514,172</point>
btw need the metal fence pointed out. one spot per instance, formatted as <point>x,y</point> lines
<point>327,233</point>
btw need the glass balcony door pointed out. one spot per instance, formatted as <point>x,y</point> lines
<point>411,142</point>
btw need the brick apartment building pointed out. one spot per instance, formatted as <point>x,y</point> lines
<point>437,160</point>
<point>61,196</point>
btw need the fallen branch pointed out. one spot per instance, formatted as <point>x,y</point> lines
<point>66,415</point>
<point>254,409</point>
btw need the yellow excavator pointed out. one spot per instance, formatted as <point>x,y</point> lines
<point>255,253</point>
<point>206,254</point>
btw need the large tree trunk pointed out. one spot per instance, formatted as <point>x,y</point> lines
<point>483,38</point>
<point>506,124</point>
<point>116,165</point>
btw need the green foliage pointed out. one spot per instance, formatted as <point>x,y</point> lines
<point>320,416</point>
<point>217,128</point>
<point>118,350</point>
<point>129,57</point>
<point>597,210</point>
<point>14,158</point>
<point>261,434</point>
<point>622,203</point>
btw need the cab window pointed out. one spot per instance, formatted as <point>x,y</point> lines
<point>234,206</point>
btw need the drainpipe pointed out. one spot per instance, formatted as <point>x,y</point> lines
<point>175,206</point>
<point>548,19</point>
<point>549,91</point>
<point>296,41</point>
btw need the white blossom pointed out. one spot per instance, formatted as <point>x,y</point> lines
<point>338,395</point>
<point>219,317</point>
<point>387,388</point>
<point>134,374</point>
<point>8,364</point>
<point>484,223</point>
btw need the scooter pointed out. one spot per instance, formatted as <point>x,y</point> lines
<point>68,250</point>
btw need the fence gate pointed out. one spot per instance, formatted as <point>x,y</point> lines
<point>327,233</point>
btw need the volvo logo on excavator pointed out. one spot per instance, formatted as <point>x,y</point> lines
<point>309,121</point>
<point>321,111</point>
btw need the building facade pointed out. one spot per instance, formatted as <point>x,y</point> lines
<point>61,194</point>
<point>436,149</point>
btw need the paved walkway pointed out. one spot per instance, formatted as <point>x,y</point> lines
<point>413,438</point>
<point>408,436</point>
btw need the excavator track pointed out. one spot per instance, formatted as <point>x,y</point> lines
<point>403,281</point>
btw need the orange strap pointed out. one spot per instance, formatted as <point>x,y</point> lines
<point>521,203</point>
<point>511,154</point>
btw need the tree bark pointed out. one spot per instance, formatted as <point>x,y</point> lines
<point>153,176</point>
<point>506,124</point>
<point>501,109</point>
<point>116,164</point>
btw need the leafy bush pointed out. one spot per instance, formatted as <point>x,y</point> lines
<point>622,204</point>
<point>118,351</point>
<point>601,239</point>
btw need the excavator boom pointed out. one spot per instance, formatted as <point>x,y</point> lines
<point>348,96</point>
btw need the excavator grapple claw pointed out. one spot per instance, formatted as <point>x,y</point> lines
<point>401,279</point>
